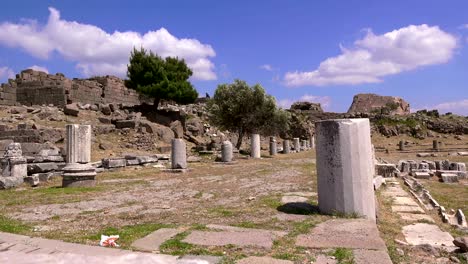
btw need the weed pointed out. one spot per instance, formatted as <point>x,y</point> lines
<point>13,226</point>
<point>343,255</point>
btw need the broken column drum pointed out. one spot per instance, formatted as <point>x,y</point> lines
<point>14,167</point>
<point>273,146</point>
<point>345,167</point>
<point>286,146</point>
<point>255,146</point>
<point>304,144</point>
<point>78,172</point>
<point>401,146</point>
<point>297,145</point>
<point>226,151</point>
<point>178,154</point>
<point>435,145</point>
<point>312,142</point>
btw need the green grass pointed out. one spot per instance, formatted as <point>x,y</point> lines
<point>343,255</point>
<point>451,196</point>
<point>286,256</point>
<point>302,227</point>
<point>128,234</point>
<point>175,246</point>
<point>221,211</point>
<point>10,225</point>
<point>271,201</point>
<point>247,224</point>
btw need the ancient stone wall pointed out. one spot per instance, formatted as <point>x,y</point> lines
<point>378,104</point>
<point>38,88</point>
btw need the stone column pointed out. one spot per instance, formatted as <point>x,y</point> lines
<point>344,167</point>
<point>226,151</point>
<point>401,145</point>
<point>78,172</point>
<point>178,154</point>
<point>312,142</point>
<point>304,144</point>
<point>273,146</point>
<point>255,146</point>
<point>297,145</point>
<point>286,146</point>
<point>435,145</point>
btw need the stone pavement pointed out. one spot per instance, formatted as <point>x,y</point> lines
<point>409,210</point>
<point>27,250</point>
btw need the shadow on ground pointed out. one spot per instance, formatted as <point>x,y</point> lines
<point>299,208</point>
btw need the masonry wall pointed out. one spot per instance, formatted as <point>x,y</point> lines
<point>38,88</point>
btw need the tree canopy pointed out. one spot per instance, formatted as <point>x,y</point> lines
<point>160,78</point>
<point>241,108</point>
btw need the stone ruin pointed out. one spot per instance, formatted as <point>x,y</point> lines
<point>14,167</point>
<point>39,88</point>
<point>370,103</point>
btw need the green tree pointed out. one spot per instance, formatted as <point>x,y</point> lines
<point>244,109</point>
<point>160,78</point>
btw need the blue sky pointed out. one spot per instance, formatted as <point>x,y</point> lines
<point>323,51</point>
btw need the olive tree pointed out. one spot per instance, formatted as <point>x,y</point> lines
<point>245,109</point>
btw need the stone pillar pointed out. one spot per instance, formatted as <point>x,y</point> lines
<point>14,167</point>
<point>255,146</point>
<point>297,145</point>
<point>304,144</point>
<point>273,146</point>
<point>312,142</point>
<point>78,172</point>
<point>435,145</point>
<point>345,167</point>
<point>286,146</point>
<point>226,151</point>
<point>178,154</point>
<point>401,145</point>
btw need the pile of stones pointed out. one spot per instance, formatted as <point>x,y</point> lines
<point>447,171</point>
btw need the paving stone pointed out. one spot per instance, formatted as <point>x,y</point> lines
<point>321,259</point>
<point>404,201</point>
<point>196,259</point>
<point>262,239</point>
<point>416,217</point>
<point>291,217</point>
<point>242,229</point>
<point>346,233</point>
<point>293,199</point>
<point>304,194</point>
<point>406,209</point>
<point>421,233</point>
<point>263,260</point>
<point>152,241</point>
<point>363,256</point>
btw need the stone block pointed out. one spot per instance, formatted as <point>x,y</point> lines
<point>297,144</point>
<point>32,180</point>
<point>125,124</point>
<point>387,170</point>
<point>345,167</point>
<point>421,175</point>
<point>378,181</point>
<point>33,168</point>
<point>449,177</point>
<point>71,110</point>
<point>114,163</point>
<point>226,151</point>
<point>10,182</point>
<point>273,146</point>
<point>286,146</point>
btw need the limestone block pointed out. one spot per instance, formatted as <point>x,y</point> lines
<point>449,177</point>
<point>378,181</point>
<point>421,175</point>
<point>114,163</point>
<point>345,167</point>
<point>178,154</point>
<point>78,143</point>
<point>387,170</point>
<point>255,146</point>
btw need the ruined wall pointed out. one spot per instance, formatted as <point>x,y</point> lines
<point>38,88</point>
<point>373,103</point>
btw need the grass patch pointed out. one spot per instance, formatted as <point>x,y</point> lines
<point>221,211</point>
<point>175,246</point>
<point>451,196</point>
<point>128,234</point>
<point>302,227</point>
<point>271,201</point>
<point>343,255</point>
<point>286,256</point>
<point>10,225</point>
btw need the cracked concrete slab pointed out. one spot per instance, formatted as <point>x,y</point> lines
<point>364,256</point>
<point>422,233</point>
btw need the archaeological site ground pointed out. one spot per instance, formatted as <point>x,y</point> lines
<point>84,158</point>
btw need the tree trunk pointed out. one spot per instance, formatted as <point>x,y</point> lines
<point>239,139</point>
<point>156,102</point>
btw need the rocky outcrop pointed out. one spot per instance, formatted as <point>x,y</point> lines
<point>378,104</point>
<point>307,106</point>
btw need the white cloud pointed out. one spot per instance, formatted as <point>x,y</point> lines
<point>98,52</point>
<point>325,101</point>
<point>376,56</point>
<point>458,107</point>
<point>267,67</point>
<point>39,68</point>
<point>6,73</point>
<point>464,26</point>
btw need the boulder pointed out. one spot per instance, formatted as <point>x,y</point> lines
<point>307,106</point>
<point>71,110</point>
<point>163,133</point>
<point>462,243</point>
<point>373,103</point>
